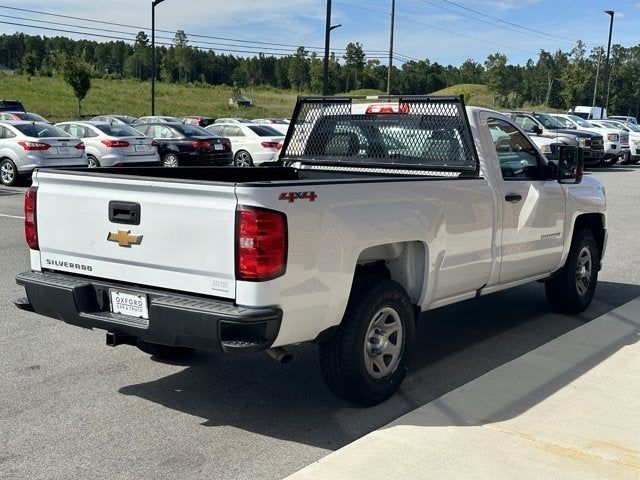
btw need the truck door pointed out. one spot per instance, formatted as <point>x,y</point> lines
<point>533,208</point>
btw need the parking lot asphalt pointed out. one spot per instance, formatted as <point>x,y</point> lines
<point>71,407</point>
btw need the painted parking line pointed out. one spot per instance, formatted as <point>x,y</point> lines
<point>11,216</point>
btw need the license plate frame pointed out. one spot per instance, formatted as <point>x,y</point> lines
<point>141,148</point>
<point>64,150</point>
<point>218,146</point>
<point>129,303</point>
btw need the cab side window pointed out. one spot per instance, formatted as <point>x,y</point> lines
<point>519,160</point>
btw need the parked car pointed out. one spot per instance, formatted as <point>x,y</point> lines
<point>156,119</point>
<point>198,121</point>
<point>11,106</point>
<point>183,144</point>
<point>113,144</point>
<point>616,141</point>
<point>25,146</point>
<point>232,120</point>
<point>279,124</point>
<point>122,119</point>
<point>634,136</point>
<point>622,118</point>
<point>18,116</point>
<point>542,124</point>
<point>252,144</point>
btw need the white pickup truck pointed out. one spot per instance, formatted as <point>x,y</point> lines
<point>367,220</point>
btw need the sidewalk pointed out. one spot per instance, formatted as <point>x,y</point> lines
<point>567,410</point>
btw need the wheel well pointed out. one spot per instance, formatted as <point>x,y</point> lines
<point>402,262</point>
<point>593,222</point>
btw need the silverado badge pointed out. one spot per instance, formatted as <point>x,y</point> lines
<point>124,238</point>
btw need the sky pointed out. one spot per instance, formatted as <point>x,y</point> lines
<point>444,31</point>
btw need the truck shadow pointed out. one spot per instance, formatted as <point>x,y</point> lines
<point>454,345</point>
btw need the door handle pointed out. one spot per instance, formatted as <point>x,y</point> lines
<point>513,197</point>
<point>124,212</point>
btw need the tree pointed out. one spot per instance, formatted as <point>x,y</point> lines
<point>299,76</point>
<point>29,63</point>
<point>496,75</point>
<point>575,77</point>
<point>354,62</point>
<point>78,75</point>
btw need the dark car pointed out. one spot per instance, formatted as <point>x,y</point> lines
<point>198,120</point>
<point>11,106</point>
<point>183,144</point>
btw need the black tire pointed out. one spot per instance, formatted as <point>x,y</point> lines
<point>9,175</point>
<point>345,357</point>
<point>242,158</point>
<point>566,292</point>
<point>93,162</point>
<point>610,162</point>
<point>170,160</point>
<point>164,351</point>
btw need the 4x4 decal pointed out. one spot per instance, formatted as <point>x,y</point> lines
<point>293,196</point>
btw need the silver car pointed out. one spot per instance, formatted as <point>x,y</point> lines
<point>113,144</point>
<point>25,146</point>
<point>123,119</point>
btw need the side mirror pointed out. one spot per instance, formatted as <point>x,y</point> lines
<point>536,129</point>
<point>570,164</point>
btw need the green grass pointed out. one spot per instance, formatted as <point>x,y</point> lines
<point>474,94</point>
<point>54,99</point>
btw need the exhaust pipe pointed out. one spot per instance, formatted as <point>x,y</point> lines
<point>280,355</point>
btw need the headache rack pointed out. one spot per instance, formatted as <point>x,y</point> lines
<point>414,134</point>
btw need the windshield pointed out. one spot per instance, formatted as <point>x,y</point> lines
<point>618,126</point>
<point>192,130</point>
<point>580,121</point>
<point>548,121</point>
<point>40,130</point>
<point>118,130</point>
<point>265,131</point>
<point>633,127</point>
<point>31,117</point>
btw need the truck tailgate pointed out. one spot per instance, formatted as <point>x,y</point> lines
<point>184,239</point>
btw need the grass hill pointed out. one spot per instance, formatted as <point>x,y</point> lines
<point>474,94</point>
<point>54,99</point>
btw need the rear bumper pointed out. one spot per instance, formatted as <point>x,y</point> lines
<point>174,319</point>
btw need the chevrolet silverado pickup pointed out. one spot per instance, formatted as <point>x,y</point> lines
<point>377,210</point>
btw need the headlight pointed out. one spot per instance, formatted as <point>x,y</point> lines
<point>613,137</point>
<point>545,148</point>
<point>584,142</point>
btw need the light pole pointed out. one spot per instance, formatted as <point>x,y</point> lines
<point>606,63</point>
<point>393,17</point>
<point>595,87</point>
<point>327,35</point>
<point>153,54</point>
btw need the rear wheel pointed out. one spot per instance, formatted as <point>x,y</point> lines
<point>93,161</point>
<point>164,351</point>
<point>170,160</point>
<point>8,172</point>
<point>243,159</point>
<point>365,361</point>
<point>572,289</point>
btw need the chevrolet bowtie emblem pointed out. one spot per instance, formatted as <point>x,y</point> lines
<point>124,238</point>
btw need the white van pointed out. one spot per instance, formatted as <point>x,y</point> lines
<point>590,113</point>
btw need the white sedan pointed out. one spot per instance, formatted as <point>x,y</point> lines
<point>252,144</point>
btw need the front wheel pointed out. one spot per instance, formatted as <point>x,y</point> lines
<point>243,159</point>
<point>8,172</point>
<point>572,289</point>
<point>365,361</point>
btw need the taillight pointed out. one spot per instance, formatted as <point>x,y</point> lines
<point>30,221</point>
<point>154,143</point>
<point>261,244</point>
<point>27,145</point>
<point>227,143</point>
<point>80,146</point>
<point>201,144</point>
<point>115,143</point>
<point>271,145</point>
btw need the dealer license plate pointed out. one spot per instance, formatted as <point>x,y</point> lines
<point>129,303</point>
<point>141,148</point>
<point>218,146</point>
<point>64,150</point>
